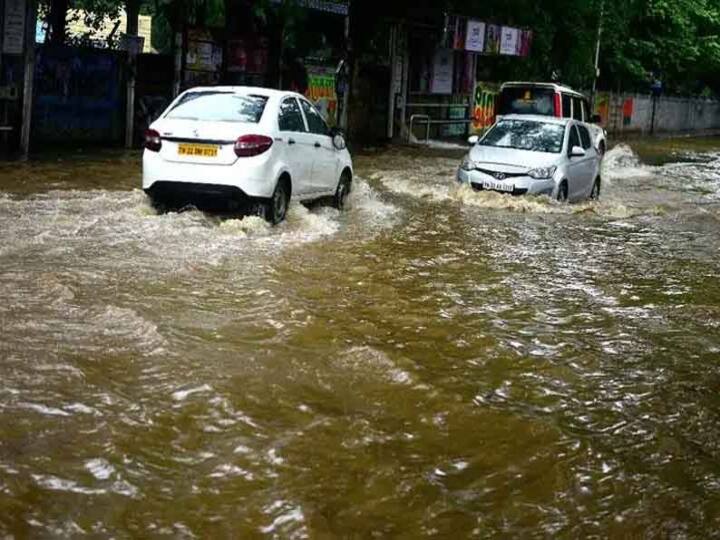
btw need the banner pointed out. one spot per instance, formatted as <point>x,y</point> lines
<point>14,27</point>
<point>442,75</point>
<point>524,43</point>
<point>475,38</point>
<point>509,41</point>
<point>492,39</point>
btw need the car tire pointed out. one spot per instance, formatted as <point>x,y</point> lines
<point>601,148</point>
<point>343,191</point>
<point>275,209</point>
<point>595,193</point>
<point>562,194</point>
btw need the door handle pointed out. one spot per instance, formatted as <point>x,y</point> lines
<point>291,141</point>
<point>318,145</point>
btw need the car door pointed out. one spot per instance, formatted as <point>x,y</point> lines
<point>298,144</point>
<point>590,162</point>
<point>576,166</point>
<point>325,157</point>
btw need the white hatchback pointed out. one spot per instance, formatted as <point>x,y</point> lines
<point>244,149</point>
<point>534,155</point>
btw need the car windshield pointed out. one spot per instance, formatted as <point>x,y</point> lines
<point>526,135</point>
<point>219,107</point>
<point>527,100</point>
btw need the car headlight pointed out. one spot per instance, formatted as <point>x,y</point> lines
<point>467,164</point>
<point>542,173</point>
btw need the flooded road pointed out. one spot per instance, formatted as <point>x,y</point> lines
<point>432,363</point>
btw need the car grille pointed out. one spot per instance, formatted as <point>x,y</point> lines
<point>505,174</point>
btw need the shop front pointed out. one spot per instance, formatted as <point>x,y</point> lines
<point>299,45</point>
<point>434,92</point>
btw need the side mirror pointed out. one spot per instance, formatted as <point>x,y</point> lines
<point>338,138</point>
<point>472,141</point>
<point>596,119</point>
<point>577,151</point>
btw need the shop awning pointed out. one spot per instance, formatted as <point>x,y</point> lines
<point>341,7</point>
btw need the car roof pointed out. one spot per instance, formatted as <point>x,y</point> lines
<point>538,118</point>
<point>554,86</point>
<point>258,90</point>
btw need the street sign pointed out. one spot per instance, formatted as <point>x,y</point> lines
<point>14,27</point>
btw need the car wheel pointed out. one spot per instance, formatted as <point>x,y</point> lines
<point>595,193</point>
<point>275,210</point>
<point>343,191</point>
<point>562,194</point>
<point>601,148</point>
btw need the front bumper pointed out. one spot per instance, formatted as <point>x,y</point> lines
<point>521,185</point>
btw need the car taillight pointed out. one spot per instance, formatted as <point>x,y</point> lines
<point>152,140</point>
<point>558,105</point>
<point>252,145</point>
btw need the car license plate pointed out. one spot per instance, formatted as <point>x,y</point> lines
<point>497,186</point>
<point>198,150</point>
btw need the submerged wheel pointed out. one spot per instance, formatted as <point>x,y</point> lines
<point>595,193</point>
<point>562,194</point>
<point>343,191</point>
<point>275,209</point>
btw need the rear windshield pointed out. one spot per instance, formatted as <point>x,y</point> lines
<point>526,135</point>
<point>527,100</point>
<point>219,107</point>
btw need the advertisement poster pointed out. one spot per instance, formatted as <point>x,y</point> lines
<point>459,34</point>
<point>321,91</point>
<point>509,40</point>
<point>492,39</point>
<point>475,39</point>
<point>442,74</point>
<point>14,27</point>
<point>524,43</point>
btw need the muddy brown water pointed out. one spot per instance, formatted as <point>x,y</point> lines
<point>432,363</point>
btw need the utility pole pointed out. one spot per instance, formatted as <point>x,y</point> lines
<point>132,10</point>
<point>29,78</point>
<point>597,53</point>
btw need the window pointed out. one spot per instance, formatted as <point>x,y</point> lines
<point>577,109</point>
<point>315,121</point>
<point>567,106</point>
<point>574,139</point>
<point>290,118</point>
<point>219,107</point>
<point>526,135</point>
<point>527,100</point>
<point>585,137</point>
<point>587,111</point>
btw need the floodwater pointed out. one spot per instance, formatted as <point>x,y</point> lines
<point>432,363</point>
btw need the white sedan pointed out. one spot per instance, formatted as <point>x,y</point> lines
<point>244,149</point>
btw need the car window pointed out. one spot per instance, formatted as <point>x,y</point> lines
<point>527,100</point>
<point>577,109</point>
<point>574,139</point>
<point>219,107</point>
<point>526,135</point>
<point>585,137</point>
<point>315,121</point>
<point>586,110</point>
<point>290,118</point>
<point>567,106</point>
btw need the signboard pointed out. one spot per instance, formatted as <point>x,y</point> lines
<point>442,76</point>
<point>321,91</point>
<point>509,41</point>
<point>14,27</point>
<point>475,38</point>
<point>340,7</point>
